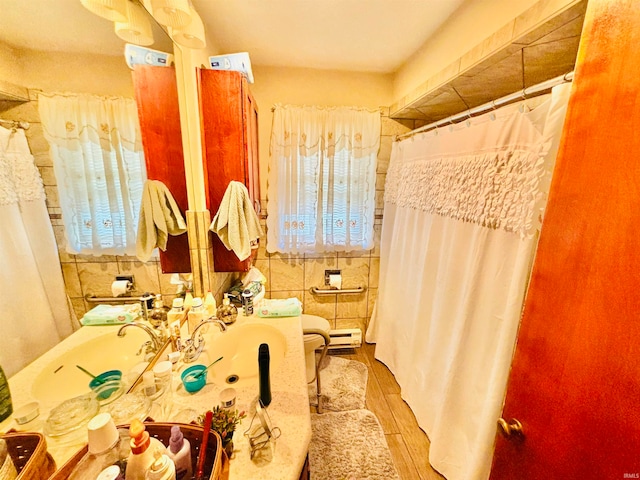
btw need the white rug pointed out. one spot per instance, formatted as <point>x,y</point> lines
<point>343,384</point>
<point>349,446</point>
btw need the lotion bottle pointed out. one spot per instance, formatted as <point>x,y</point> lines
<point>180,452</point>
<point>210,305</point>
<point>196,314</point>
<point>142,448</point>
<point>176,311</point>
<point>188,299</point>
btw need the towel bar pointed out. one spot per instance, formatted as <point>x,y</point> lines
<point>336,291</point>
<point>93,299</point>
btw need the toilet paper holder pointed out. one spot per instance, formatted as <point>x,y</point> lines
<point>330,288</point>
<point>128,279</point>
<point>327,276</point>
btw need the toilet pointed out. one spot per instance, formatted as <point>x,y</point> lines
<point>313,341</point>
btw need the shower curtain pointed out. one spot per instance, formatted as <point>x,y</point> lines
<point>461,217</point>
<point>34,313</point>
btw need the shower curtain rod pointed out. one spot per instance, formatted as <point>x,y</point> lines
<point>525,93</point>
<point>15,124</point>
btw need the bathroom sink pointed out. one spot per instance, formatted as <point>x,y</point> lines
<point>61,380</point>
<point>239,348</point>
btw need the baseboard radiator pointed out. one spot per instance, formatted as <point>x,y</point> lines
<point>345,338</point>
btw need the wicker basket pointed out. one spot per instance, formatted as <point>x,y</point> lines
<point>28,451</point>
<point>162,431</point>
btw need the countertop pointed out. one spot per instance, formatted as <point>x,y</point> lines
<point>289,409</point>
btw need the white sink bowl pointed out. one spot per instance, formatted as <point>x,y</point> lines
<point>239,348</point>
<point>61,380</point>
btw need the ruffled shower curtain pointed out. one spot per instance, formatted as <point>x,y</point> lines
<point>461,218</point>
<point>35,313</point>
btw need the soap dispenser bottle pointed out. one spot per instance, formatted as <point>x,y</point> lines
<point>142,448</point>
<point>180,452</point>
<point>158,316</point>
<point>227,312</point>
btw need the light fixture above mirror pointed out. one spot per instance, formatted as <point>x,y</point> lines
<point>191,36</point>
<point>172,13</point>
<point>137,27</point>
<point>115,10</point>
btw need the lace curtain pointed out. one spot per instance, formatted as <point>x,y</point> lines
<point>33,301</point>
<point>321,194</point>
<point>99,167</point>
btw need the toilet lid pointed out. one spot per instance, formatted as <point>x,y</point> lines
<point>313,321</point>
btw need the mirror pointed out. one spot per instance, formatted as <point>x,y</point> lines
<point>62,47</point>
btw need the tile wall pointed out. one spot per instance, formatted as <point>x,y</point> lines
<point>287,275</point>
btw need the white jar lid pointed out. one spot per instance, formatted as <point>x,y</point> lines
<point>26,413</point>
<point>162,368</point>
<point>109,473</point>
<point>178,302</point>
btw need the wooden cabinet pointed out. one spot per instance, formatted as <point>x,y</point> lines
<point>230,148</point>
<point>158,112</point>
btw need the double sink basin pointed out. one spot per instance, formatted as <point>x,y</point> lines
<point>238,346</point>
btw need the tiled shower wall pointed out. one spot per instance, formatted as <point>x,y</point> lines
<point>85,274</point>
<point>287,275</point>
<point>294,275</point>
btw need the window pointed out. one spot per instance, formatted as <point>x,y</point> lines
<point>99,167</point>
<point>321,194</point>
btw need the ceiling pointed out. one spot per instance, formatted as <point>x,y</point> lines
<point>353,35</point>
<point>357,35</point>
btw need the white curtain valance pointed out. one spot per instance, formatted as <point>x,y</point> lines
<point>495,187</point>
<point>70,119</point>
<point>307,130</point>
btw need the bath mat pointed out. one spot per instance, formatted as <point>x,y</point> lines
<point>349,445</point>
<point>343,384</point>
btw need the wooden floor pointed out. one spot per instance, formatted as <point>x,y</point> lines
<point>409,445</point>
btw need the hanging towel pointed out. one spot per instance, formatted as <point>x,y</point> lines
<point>159,217</point>
<point>236,222</point>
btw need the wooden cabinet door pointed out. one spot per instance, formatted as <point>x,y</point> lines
<point>229,139</point>
<point>158,112</point>
<point>575,378</point>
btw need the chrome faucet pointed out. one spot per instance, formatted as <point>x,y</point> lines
<point>150,346</point>
<point>193,346</point>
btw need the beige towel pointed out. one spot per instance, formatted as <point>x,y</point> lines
<point>236,222</point>
<point>159,217</point>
